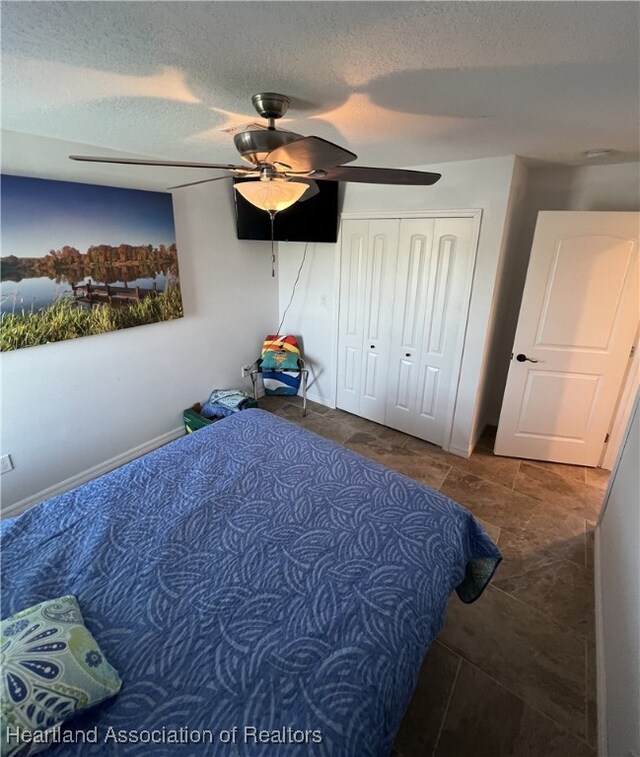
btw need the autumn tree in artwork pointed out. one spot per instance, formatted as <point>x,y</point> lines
<point>69,260</point>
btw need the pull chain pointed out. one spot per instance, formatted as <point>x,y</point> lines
<point>272,215</point>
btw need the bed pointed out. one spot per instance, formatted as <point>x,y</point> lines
<point>251,575</point>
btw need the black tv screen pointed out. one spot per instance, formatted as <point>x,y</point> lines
<point>314,220</point>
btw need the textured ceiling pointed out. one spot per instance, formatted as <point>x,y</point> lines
<point>409,83</point>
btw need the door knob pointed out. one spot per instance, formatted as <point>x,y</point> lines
<point>521,358</point>
<point>407,354</point>
<point>372,347</point>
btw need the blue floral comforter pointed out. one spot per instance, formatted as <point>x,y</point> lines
<point>261,591</point>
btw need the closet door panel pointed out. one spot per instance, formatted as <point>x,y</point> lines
<point>445,305</point>
<point>355,239</point>
<point>404,386</point>
<point>351,372</point>
<point>430,385</point>
<point>413,284</point>
<point>378,313</point>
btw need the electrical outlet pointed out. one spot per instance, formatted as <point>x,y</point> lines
<point>5,464</point>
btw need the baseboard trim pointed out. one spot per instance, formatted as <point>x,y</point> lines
<point>601,686</point>
<point>90,473</point>
<point>320,400</point>
<point>460,451</point>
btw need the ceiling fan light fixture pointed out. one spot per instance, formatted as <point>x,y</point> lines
<point>271,196</point>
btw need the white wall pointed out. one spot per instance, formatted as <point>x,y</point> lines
<point>313,314</point>
<point>69,406</point>
<point>608,187</point>
<point>548,187</point>
<point>618,604</point>
<point>512,269</point>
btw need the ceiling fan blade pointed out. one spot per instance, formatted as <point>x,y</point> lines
<point>169,163</point>
<point>310,153</point>
<point>379,175</point>
<point>203,181</point>
<point>312,191</point>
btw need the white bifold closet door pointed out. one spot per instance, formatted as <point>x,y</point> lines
<point>369,251</point>
<point>404,292</point>
<point>431,296</point>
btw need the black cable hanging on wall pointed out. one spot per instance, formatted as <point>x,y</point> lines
<point>272,215</point>
<point>293,291</point>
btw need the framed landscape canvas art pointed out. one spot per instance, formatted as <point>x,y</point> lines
<point>81,259</point>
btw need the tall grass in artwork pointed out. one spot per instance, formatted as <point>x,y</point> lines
<point>64,320</point>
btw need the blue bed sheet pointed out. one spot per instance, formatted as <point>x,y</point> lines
<point>250,576</point>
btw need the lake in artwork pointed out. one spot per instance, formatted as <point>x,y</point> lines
<point>81,259</point>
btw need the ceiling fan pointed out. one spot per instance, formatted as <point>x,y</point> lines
<point>286,165</point>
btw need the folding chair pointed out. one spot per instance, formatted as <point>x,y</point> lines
<point>282,368</point>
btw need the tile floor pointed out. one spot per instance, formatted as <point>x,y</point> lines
<point>513,673</point>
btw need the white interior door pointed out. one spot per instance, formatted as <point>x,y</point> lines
<point>445,315</point>
<point>380,267</point>
<point>578,318</point>
<point>435,268</point>
<point>369,251</point>
<point>355,238</point>
<point>414,271</point>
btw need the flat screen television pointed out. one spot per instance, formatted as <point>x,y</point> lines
<point>314,220</point>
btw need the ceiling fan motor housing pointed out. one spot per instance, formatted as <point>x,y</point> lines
<point>255,145</point>
<point>270,104</point>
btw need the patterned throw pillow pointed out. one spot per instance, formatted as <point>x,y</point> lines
<point>52,669</point>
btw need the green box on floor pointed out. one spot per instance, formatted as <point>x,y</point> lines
<point>194,421</point>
